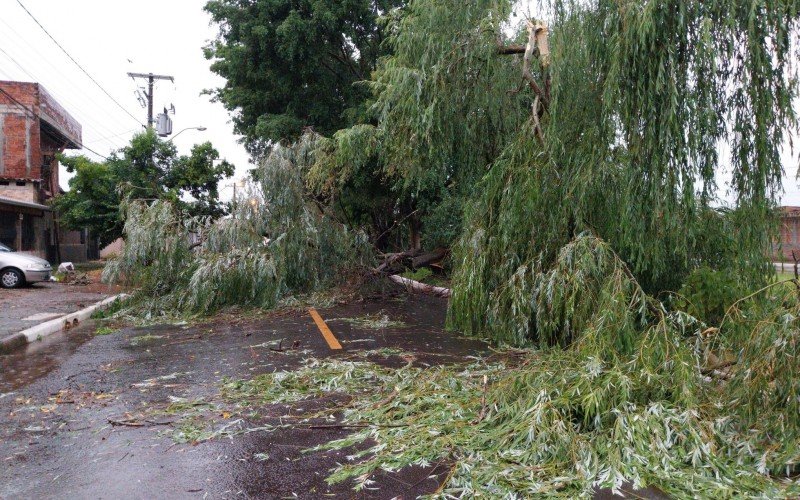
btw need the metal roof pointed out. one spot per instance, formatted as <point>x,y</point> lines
<point>25,204</point>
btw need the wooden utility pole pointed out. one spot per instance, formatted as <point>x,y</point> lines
<point>151,78</point>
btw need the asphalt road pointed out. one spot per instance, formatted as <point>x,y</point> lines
<point>70,408</point>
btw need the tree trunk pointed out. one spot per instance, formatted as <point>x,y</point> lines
<point>429,258</point>
<point>415,233</point>
<point>416,286</point>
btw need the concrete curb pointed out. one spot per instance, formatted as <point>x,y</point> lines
<point>62,323</point>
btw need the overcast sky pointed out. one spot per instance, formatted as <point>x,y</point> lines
<point>111,38</point>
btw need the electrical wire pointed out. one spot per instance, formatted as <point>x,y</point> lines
<point>28,52</point>
<point>109,133</point>
<point>61,99</point>
<point>77,64</point>
<point>113,136</point>
<point>37,117</point>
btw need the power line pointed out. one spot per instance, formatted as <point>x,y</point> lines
<point>61,99</point>
<point>75,90</point>
<point>115,135</point>
<point>34,115</point>
<point>76,63</point>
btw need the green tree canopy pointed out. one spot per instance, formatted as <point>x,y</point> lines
<point>632,105</point>
<point>443,106</point>
<point>291,64</point>
<point>147,169</point>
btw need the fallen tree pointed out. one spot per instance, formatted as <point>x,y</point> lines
<point>625,402</point>
<point>276,243</point>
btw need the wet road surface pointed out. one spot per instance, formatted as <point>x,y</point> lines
<point>67,406</point>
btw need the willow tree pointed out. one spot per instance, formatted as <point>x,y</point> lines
<point>444,106</point>
<point>631,103</point>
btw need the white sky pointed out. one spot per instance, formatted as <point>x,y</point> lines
<point>110,38</point>
<point>162,37</point>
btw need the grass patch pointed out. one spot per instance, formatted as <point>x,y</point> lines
<point>105,330</point>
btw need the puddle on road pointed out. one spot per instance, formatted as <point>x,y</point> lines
<point>35,360</point>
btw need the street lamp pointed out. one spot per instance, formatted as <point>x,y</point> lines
<point>201,128</point>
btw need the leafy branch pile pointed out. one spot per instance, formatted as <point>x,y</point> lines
<point>639,395</point>
<point>277,242</point>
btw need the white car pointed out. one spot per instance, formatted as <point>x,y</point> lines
<point>17,269</point>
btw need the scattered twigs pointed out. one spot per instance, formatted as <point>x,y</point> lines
<point>388,399</point>
<point>391,259</point>
<point>132,422</point>
<point>721,370</point>
<point>349,426</point>
<point>395,224</point>
<point>126,423</point>
<point>482,413</point>
<point>760,290</point>
<point>447,479</point>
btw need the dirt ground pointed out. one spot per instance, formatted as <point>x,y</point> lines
<point>72,410</point>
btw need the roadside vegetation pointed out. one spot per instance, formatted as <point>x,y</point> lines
<point>560,172</point>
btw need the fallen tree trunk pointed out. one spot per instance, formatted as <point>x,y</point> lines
<point>418,287</point>
<point>392,258</point>
<point>428,258</point>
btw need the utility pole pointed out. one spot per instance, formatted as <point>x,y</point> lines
<point>150,77</point>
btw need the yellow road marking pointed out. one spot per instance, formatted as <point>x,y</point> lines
<point>323,328</point>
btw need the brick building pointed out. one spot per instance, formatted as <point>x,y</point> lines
<point>790,234</point>
<point>33,129</point>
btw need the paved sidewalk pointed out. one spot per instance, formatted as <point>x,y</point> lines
<point>25,307</point>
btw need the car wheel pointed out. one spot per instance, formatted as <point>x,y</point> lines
<point>11,278</point>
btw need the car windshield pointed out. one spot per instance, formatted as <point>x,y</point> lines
<point>4,248</point>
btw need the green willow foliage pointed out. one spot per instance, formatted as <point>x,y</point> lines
<point>643,96</point>
<point>443,108</point>
<point>277,242</point>
<point>634,398</point>
<point>442,99</point>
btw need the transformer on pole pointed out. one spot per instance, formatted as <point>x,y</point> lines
<point>151,78</point>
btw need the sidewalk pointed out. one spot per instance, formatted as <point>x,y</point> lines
<point>25,307</point>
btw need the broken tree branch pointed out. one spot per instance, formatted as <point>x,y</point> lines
<point>505,50</point>
<point>418,287</point>
<point>429,258</point>
<point>536,33</point>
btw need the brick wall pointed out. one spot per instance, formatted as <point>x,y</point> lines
<point>789,234</point>
<point>20,146</point>
<point>29,135</point>
<point>20,155</point>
